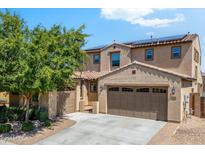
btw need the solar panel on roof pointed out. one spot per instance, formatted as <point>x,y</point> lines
<point>169,38</point>
<point>153,40</point>
<point>97,47</point>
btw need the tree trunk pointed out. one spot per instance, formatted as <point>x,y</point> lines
<point>27,110</point>
<point>27,102</point>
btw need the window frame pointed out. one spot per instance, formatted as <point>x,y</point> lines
<point>115,89</point>
<point>94,62</point>
<point>127,89</point>
<point>172,57</point>
<point>196,72</point>
<point>92,90</point>
<point>146,50</point>
<point>196,55</point>
<point>111,53</point>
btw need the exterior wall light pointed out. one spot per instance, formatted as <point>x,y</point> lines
<point>101,88</point>
<point>173,91</point>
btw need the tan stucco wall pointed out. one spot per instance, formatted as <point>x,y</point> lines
<point>186,89</point>
<point>49,101</point>
<point>90,66</point>
<point>85,92</point>
<point>77,95</point>
<point>162,58</point>
<point>196,86</point>
<point>66,102</point>
<point>144,76</point>
<point>125,57</point>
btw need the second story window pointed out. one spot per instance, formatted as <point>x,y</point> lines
<point>115,59</point>
<point>176,52</point>
<point>96,58</point>
<point>149,54</point>
<point>196,56</point>
<point>196,71</point>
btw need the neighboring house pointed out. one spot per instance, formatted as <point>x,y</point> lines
<point>146,79</point>
<point>203,77</point>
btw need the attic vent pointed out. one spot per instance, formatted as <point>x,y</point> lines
<point>114,47</point>
<point>133,72</point>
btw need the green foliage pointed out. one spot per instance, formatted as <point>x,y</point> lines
<point>5,128</point>
<point>47,123</point>
<point>16,113</point>
<point>37,60</point>
<point>12,114</point>
<point>3,117</point>
<point>41,114</point>
<point>27,126</point>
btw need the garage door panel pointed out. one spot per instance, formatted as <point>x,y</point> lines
<point>140,102</point>
<point>153,115</point>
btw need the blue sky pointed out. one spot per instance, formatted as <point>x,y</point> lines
<point>106,25</point>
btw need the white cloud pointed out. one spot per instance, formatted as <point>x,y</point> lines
<point>138,16</point>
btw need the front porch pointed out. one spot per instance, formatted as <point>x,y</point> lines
<point>87,91</point>
<point>88,95</point>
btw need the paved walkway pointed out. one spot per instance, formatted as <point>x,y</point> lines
<point>105,130</point>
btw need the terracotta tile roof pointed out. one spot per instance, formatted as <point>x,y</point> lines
<point>88,75</point>
<point>187,77</point>
<point>152,42</point>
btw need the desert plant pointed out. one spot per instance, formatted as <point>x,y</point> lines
<point>16,113</point>
<point>27,126</point>
<point>3,117</point>
<point>5,128</point>
<point>43,116</point>
<point>47,123</point>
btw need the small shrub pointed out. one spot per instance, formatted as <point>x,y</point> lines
<point>16,113</point>
<point>3,117</point>
<point>32,114</point>
<point>47,123</point>
<point>41,114</point>
<point>5,128</point>
<point>3,108</point>
<point>27,126</point>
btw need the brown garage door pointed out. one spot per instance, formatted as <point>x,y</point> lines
<point>140,102</point>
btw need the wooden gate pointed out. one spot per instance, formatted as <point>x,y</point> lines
<point>195,104</point>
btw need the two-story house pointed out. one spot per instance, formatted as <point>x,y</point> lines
<point>146,79</point>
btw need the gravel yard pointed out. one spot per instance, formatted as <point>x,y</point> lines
<point>191,131</point>
<point>33,137</point>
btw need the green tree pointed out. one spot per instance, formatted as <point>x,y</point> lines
<point>37,60</point>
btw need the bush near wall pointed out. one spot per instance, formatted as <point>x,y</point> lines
<point>12,114</point>
<point>5,128</point>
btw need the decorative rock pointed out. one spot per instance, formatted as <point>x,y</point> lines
<point>16,126</point>
<point>37,123</point>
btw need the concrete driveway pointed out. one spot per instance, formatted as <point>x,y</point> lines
<point>106,130</point>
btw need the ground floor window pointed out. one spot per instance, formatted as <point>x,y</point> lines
<point>93,87</point>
